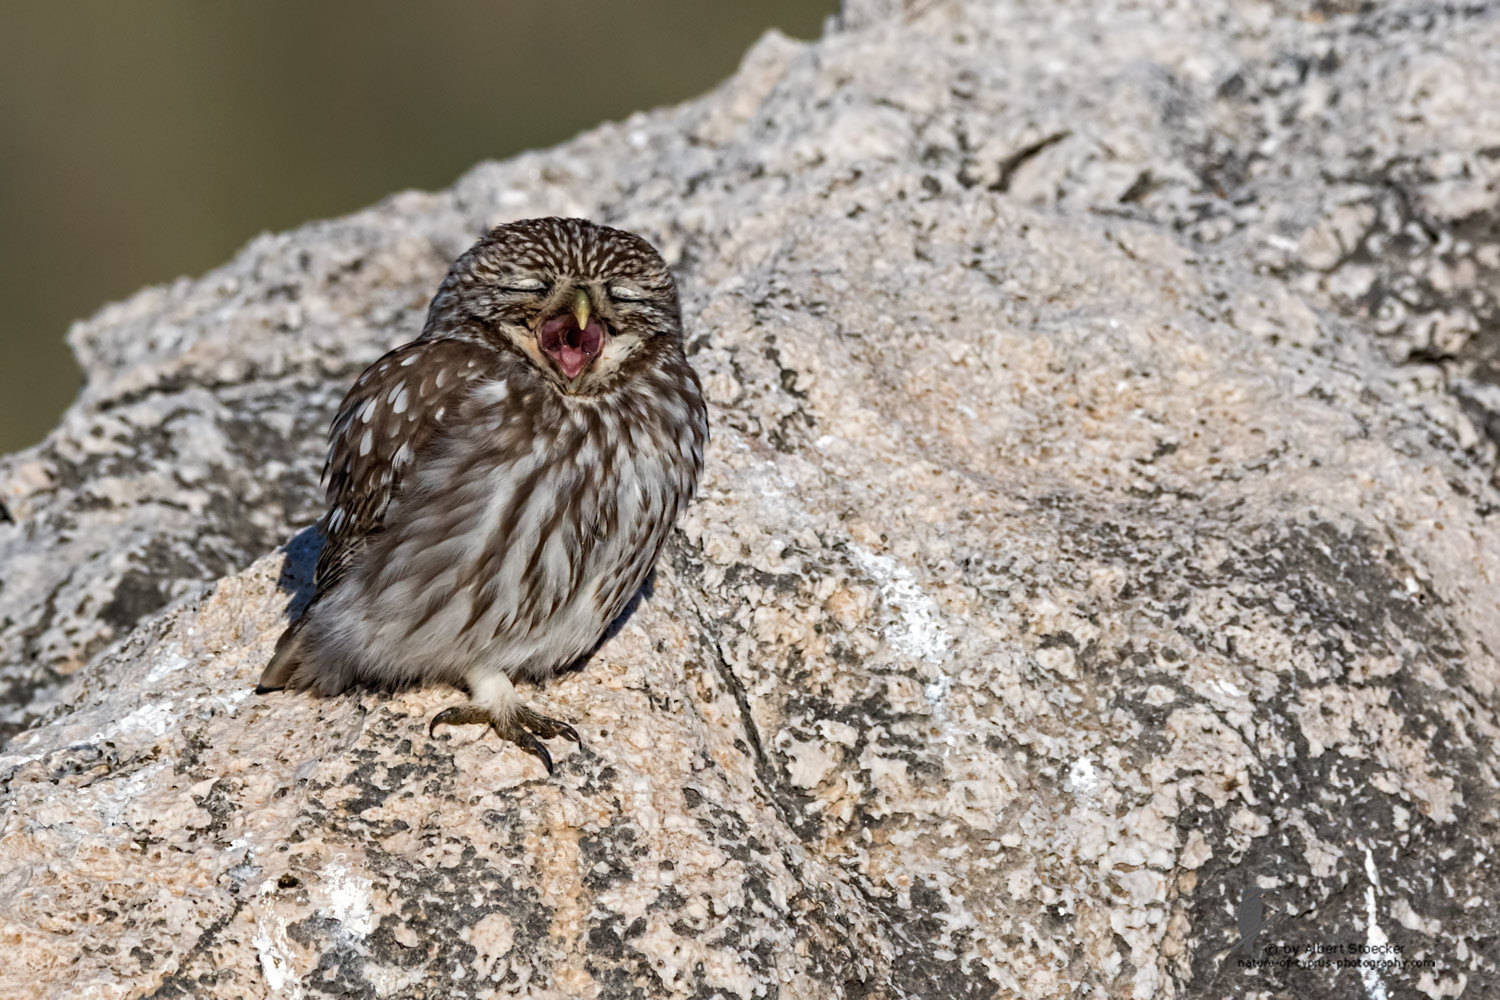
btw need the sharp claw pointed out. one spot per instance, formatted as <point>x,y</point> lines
<point>547,728</point>
<point>455,715</point>
<point>531,744</point>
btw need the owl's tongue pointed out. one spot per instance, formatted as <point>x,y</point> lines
<point>570,348</point>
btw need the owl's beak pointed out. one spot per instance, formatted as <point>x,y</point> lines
<point>580,309</point>
<point>572,339</point>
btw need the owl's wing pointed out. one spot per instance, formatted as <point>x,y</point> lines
<point>389,419</point>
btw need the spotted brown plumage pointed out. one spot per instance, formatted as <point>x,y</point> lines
<point>500,487</point>
<point>389,417</point>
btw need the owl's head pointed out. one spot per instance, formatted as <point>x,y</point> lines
<point>577,298</point>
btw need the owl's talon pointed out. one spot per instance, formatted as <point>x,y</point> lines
<point>533,746</point>
<point>458,715</point>
<point>523,727</point>
<point>545,727</point>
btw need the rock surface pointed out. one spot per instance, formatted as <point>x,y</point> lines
<point>1071,556</point>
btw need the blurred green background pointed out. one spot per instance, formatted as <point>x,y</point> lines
<point>145,140</point>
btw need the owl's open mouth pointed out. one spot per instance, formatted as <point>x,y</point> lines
<point>570,347</point>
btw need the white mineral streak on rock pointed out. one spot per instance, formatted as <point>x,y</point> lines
<point>274,950</point>
<point>918,629</point>
<point>156,719</point>
<point>348,897</point>
<point>1375,938</point>
<point>169,665</point>
<point>1082,778</point>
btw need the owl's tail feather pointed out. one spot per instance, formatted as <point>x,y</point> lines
<point>302,663</point>
<point>282,669</point>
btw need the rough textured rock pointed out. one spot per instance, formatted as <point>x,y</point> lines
<point>1071,555</point>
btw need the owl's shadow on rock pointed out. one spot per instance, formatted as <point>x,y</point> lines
<point>297,572</point>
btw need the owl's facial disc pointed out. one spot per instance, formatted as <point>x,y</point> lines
<point>573,339</point>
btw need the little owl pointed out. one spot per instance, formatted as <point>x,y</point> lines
<point>499,487</point>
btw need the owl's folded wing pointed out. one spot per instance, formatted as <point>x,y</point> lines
<point>387,422</point>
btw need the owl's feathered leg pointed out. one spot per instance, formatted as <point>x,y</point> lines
<point>494,702</point>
